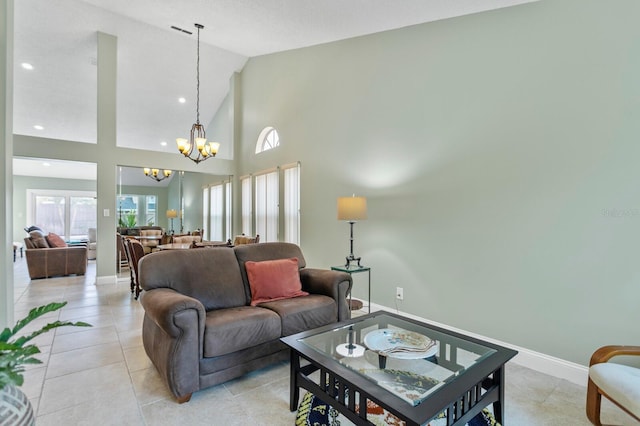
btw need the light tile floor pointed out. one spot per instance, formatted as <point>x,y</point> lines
<point>102,376</point>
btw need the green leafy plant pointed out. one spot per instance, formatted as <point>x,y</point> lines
<point>15,353</point>
<point>128,221</point>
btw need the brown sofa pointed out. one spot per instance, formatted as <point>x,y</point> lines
<point>199,327</point>
<point>44,261</point>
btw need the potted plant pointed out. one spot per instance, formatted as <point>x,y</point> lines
<point>15,353</point>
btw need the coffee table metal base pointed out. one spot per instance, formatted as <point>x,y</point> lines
<point>337,392</point>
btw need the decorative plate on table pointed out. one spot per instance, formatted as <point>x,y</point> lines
<point>400,344</point>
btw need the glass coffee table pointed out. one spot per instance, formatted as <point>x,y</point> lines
<point>413,370</point>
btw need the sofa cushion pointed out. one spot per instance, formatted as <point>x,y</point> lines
<point>38,239</point>
<point>212,276</point>
<point>304,313</point>
<point>274,280</point>
<point>234,329</point>
<point>55,240</point>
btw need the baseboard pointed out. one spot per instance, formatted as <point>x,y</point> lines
<point>107,279</point>
<point>547,364</point>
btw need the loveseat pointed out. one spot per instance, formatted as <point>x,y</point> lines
<point>49,256</point>
<point>207,321</point>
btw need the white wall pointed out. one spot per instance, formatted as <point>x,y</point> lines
<point>499,155</point>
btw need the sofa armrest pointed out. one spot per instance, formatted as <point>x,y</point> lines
<point>334,284</point>
<point>173,338</point>
<point>163,305</point>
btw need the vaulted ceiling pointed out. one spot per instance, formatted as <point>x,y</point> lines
<point>157,65</point>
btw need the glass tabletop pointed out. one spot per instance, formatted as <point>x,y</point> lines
<point>408,359</point>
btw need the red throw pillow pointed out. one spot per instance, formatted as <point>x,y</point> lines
<point>274,280</point>
<point>54,240</point>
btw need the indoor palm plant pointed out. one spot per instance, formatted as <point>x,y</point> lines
<point>15,353</point>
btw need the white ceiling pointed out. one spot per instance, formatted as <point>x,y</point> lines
<point>157,65</point>
<point>48,168</point>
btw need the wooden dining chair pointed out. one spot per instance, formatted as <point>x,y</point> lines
<point>135,252</point>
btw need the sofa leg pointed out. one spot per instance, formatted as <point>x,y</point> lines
<point>183,399</point>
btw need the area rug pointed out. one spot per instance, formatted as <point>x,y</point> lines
<point>312,411</point>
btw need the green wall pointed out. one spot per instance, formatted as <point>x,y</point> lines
<point>499,155</point>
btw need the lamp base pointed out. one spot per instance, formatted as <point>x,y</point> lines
<point>352,258</point>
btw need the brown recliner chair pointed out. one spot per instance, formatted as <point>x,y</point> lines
<point>44,261</point>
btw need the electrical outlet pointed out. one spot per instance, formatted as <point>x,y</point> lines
<point>399,293</point>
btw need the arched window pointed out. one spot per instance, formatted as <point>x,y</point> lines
<point>268,139</point>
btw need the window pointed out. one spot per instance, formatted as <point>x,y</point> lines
<point>228,202</point>
<point>245,183</point>
<point>205,213</point>
<point>266,206</point>
<point>216,211</point>
<point>292,203</point>
<point>265,211</point>
<point>150,212</point>
<point>136,210</point>
<point>267,140</point>
<point>69,214</point>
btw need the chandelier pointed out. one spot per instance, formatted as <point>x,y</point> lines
<point>197,138</point>
<point>155,173</point>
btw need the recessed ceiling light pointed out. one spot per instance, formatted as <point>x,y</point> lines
<point>27,66</point>
<point>46,164</point>
<point>163,143</point>
<point>38,127</point>
<point>182,100</point>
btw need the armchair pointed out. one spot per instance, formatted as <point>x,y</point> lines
<point>150,239</point>
<point>619,383</point>
<point>187,239</point>
<point>93,234</point>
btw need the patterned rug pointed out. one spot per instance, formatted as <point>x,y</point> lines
<point>313,411</point>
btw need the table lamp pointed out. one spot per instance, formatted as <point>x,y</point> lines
<point>352,209</point>
<point>172,214</point>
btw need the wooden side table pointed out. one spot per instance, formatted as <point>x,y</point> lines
<point>354,270</point>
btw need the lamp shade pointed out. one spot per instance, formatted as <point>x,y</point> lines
<point>172,214</point>
<point>352,208</point>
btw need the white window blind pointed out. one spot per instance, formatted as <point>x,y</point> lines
<point>292,204</point>
<point>205,213</point>
<point>228,209</point>
<point>266,206</point>
<point>216,211</point>
<point>245,184</point>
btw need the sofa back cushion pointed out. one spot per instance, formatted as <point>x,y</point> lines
<point>212,276</point>
<point>274,280</point>
<point>265,251</point>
